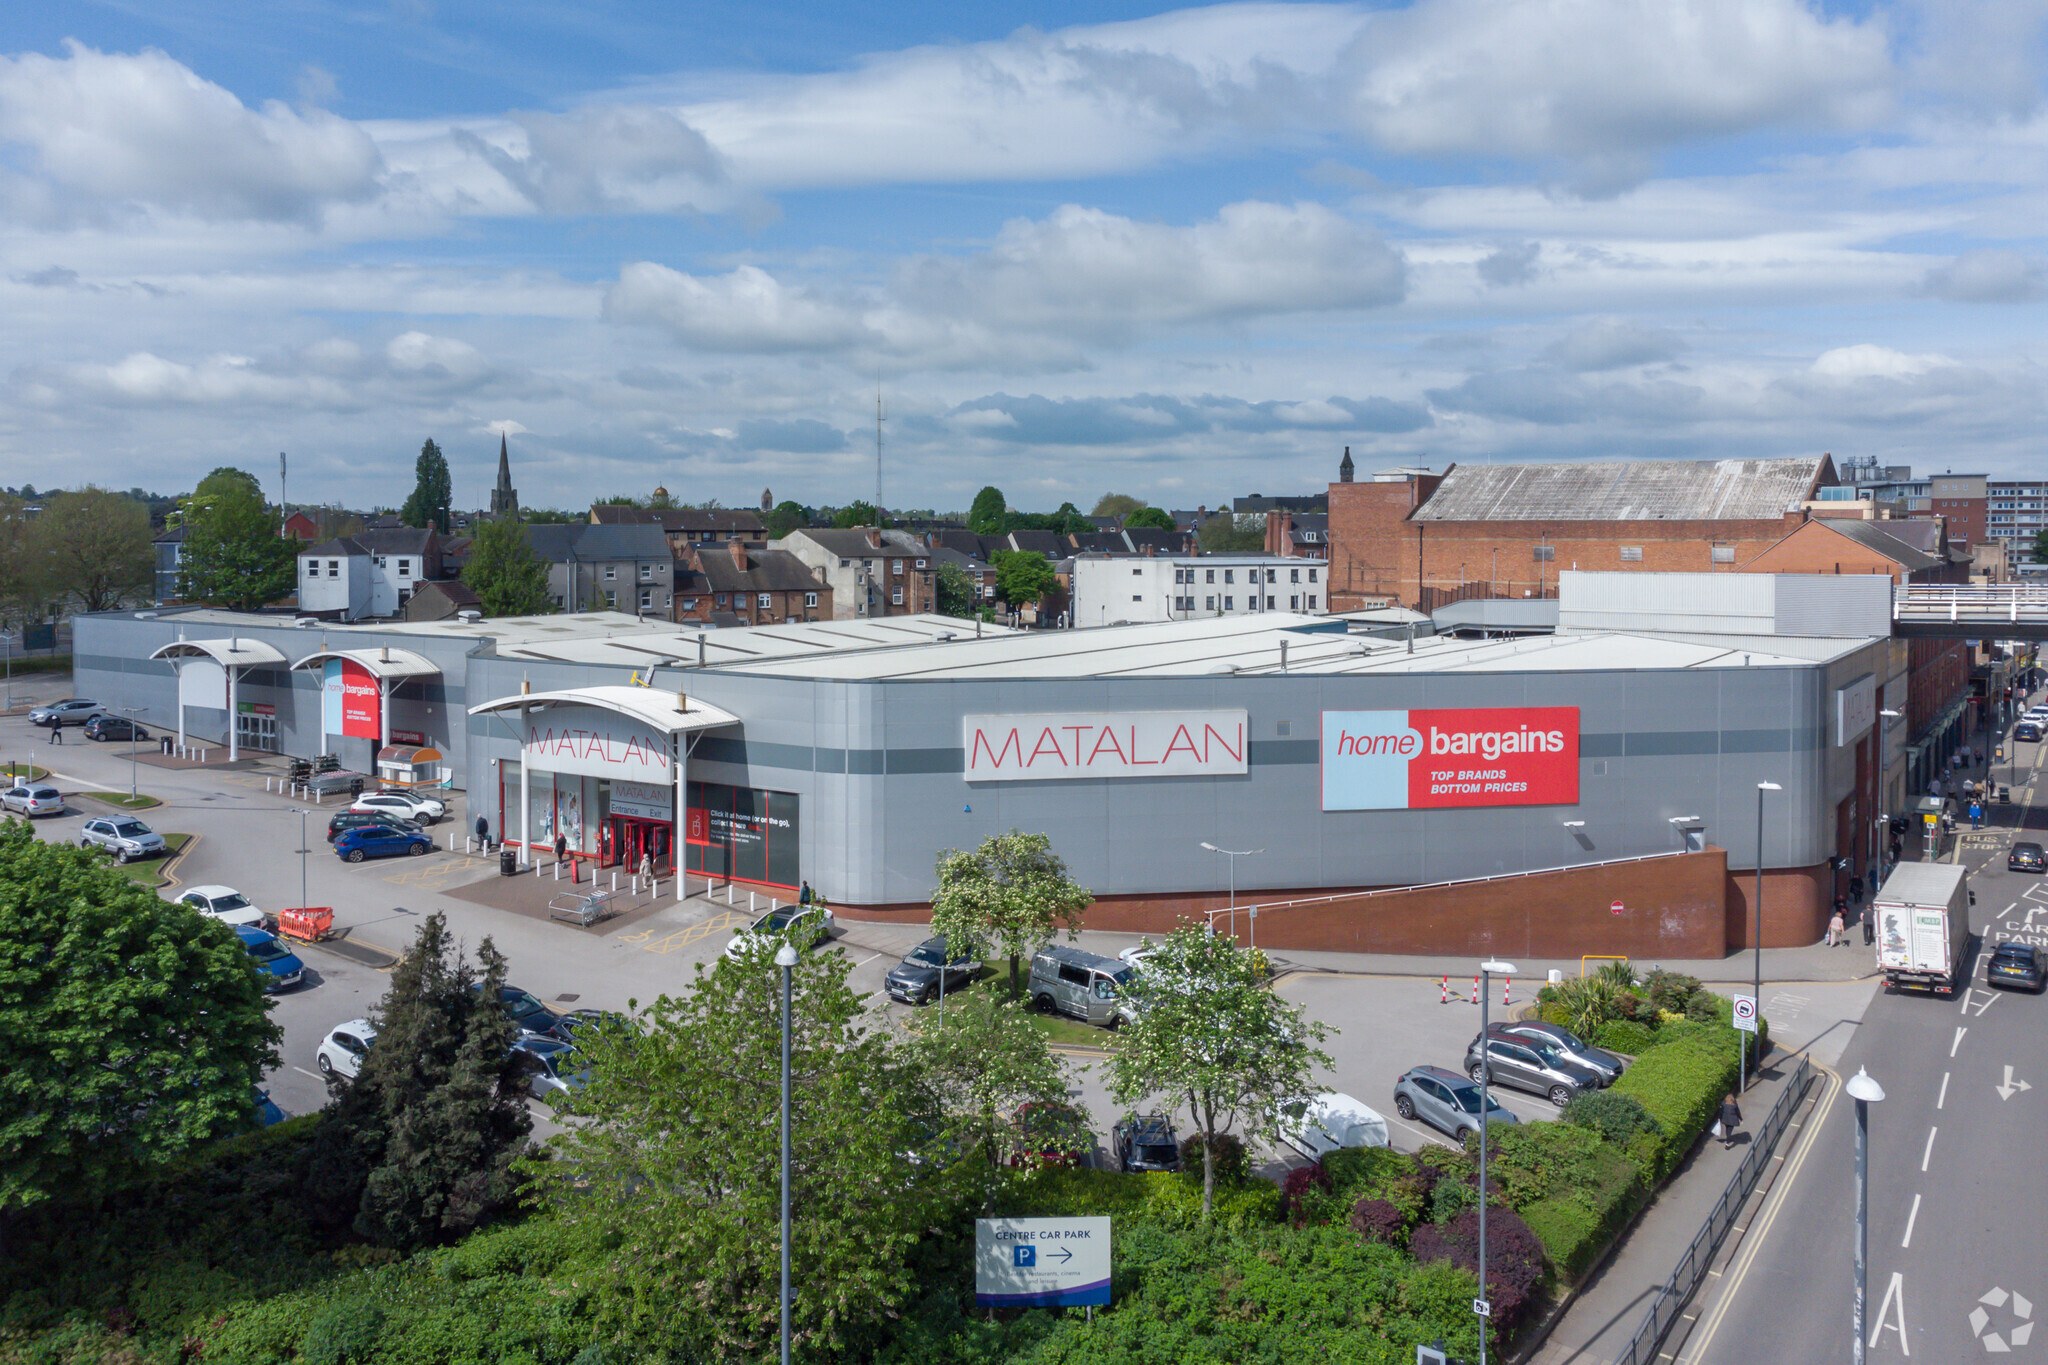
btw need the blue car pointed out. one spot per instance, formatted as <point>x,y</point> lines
<point>267,1112</point>
<point>281,967</point>
<point>380,841</point>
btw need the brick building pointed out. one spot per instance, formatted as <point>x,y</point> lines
<point>1425,539</point>
<point>745,584</point>
<point>1298,535</point>
<point>870,572</point>
<point>1962,502</point>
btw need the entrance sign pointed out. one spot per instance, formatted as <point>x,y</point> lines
<point>1071,744</point>
<point>1423,760</point>
<point>597,743</point>
<point>646,800</point>
<point>1040,1262</point>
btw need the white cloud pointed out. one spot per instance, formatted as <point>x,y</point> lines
<point>1865,361</point>
<point>1987,275</point>
<point>745,310</point>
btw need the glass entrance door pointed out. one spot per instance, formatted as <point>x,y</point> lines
<point>256,732</point>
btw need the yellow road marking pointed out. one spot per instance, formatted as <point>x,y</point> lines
<point>678,939</point>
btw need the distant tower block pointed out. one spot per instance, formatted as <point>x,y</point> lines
<point>504,498</point>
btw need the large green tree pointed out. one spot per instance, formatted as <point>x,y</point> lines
<point>233,555</point>
<point>856,513</point>
<point>783,518</point>
<point>1024,577</point>
<point>508,578</point>
<point>1153,518</point>
<point>432,491</point>
<point>1011,894</point>
<point>981,1060</point>
<point>2041,547</point>
<point>135,1028</point>
<point>1117,505</point>
<point>20,584</point>
<point>672,1162</point>
<point>93,547</point>
<point>419,1147</point>
<point>1225,534</point>
<point>956,591</point>
<point>990,515</point>
<point>1211,1037</point>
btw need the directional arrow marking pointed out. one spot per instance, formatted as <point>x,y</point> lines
<point>2011,1086</point>
<point>1061,1252</point>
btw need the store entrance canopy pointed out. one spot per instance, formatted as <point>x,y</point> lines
<point>233,656</point>
<point>673,713</point>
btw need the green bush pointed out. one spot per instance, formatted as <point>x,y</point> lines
<point>1701,1009</point>
<point>1626,1036</point>
<point>1615,1117</point>
<point>1680,1084</point>
<point>344,1332</point>
<point>1671,991</point>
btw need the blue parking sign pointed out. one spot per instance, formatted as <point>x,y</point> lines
<point>1024,1254</point>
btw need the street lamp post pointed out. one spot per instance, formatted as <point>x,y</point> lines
<point>7,638</point>
<point>133,712</point>
<point>785,958</point>
<point>1756,938</point>
<point>1234,855</point>
<point>304,848</point>
<point>1866,1092</point>
<point>1488,970</point>
<point>1574,826</point>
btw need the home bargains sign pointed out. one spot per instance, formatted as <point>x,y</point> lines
<point>1420,760</point>
<point>1035,748</point>
<point>362,702</point>
<point>597,743</point>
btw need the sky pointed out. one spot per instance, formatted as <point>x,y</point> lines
<point>1185,254</point>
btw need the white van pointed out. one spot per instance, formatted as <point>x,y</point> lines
<point>1080,983</point>
<point>1321,1124</point>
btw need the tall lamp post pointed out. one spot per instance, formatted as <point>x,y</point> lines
<point>1756,938</point>
<point>133,712</point>
<point>785,958</point>
<point>1488,970</point>
<point>1865,1092</point>
<point>7,639</point>
<point>1234,855</point>
<point>304,849</point>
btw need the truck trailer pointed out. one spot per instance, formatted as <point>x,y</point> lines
<point>1923,926</point>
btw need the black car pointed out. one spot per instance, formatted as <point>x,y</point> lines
<point>105,727</point>
<point>1532,1066</point>
<point>2027,730</point>
<point>916,979</point>
<point>363,819</point>
<point>1563,1040</point>
<point>2026,857</point>
<point>1145,1142</point>
<point>2017,964</point>
<point>530,1016</point>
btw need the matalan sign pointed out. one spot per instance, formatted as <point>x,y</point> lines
<point>1041,1262</point>
<point>1037,748</point>
<point>596,743</point>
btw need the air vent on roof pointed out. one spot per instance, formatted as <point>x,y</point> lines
<point>470,617</point>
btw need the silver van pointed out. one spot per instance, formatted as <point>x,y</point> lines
<point>1080,983</point>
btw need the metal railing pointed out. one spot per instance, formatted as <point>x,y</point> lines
<point>1670,1297</point>
<point>1975,602</point>
<point>1264,906</point>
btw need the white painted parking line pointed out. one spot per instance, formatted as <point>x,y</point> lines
<point>866,960</point>
<point>1928,1154</point>
<point>1942,1098</point>
<point>1907,1240</point>
<point>314,1074</point>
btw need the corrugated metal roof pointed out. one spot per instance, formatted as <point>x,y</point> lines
<point>1624,490</point>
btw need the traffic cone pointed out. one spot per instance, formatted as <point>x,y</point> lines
<point>1475,990</point>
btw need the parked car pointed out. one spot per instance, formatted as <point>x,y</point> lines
<point>280,965</point>
<point>380,841</point>
<point>363,819</point>
<point>610,1021</point>
<point>917,979</point>
<point>104,727</point>
<point>530,1016</point>
<point>33,799</point>
<point>1145,1142</point>
<point>405,805</point>
<point>268,1115</point>
<point>2025,856</point>
<point>1446,1101</point>
<point>342,1051</point>
<point>549,1069</point>
<point>806,926</point>
<point>1318,1125</point>
<point>1562,1039</point>
<point>124,836</point>
<point>70,711</point>
<point>1079,983</point>
<point>2027,730</point>
<point>1533,1067</point>
<point>1050,1135</point>
<point>226,904</point>
<point>2017,964</point>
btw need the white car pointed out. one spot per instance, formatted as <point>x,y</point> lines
<point>124,836</point>
<point>225,904</point>
<point>343,1049</point>
<point>1321,1124</point>
<point>806,926</point>
<point>423,810</point>
<point>33,798</point>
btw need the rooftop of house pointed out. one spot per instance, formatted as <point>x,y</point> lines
<point>1626,490</point>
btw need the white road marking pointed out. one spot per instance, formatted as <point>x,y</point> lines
<point>1895,1292</point>
<point>866,960</point>
<point>1928,1154</point>
<point>1907,1240</point>
<point>1940,1099</point>
<point>314,1074</point>
<point>1958,1042</point>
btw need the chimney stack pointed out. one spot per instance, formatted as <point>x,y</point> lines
<point>739,554</point>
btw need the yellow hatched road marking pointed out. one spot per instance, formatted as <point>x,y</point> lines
<point>679,939</point>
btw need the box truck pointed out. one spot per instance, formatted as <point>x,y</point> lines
<point>1922,915</point>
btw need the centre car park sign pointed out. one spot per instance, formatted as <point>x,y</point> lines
<point>1041,1262</point>
<point>1037,748</point>
<point>1422,760</point>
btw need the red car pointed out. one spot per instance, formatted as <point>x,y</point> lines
<point>1051,1135</point>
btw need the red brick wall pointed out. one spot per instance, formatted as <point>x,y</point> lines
<point>1503,553</point>
<point>1797,903</point>
<point>1371,540</point>
<point>1814,548</point>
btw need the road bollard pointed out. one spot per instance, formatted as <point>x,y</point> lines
<point>1444,992</point>
<point>1507,984</point>
<point>1475,990</point>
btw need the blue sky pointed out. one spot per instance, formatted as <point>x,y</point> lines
<point>1179,253</point>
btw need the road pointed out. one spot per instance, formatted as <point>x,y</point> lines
<point>1956,1264</point>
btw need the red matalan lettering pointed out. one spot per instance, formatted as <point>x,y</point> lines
<point>1011,745</point>
<point>1046,740</point>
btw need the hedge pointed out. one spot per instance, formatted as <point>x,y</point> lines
<point>1575,1189</point>
<point>1681,1085</point>
<point>1626,1036</point>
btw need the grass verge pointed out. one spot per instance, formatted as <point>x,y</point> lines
<point>153,871</point>
<point>1057,1028</point>
<point>29,771</point>
<point>140,801</point>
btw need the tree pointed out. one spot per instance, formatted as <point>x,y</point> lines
<point>990,515</point>
<point>432,491</point>
<point>20,588</point>
<point>552,516</point>
<point>419,1147</point>
<point>956,591</point>
<point>1024,576</point>
<point>783,518</point>
<point>2041,547</point>
<point>674,1164</point>
<point>136,1029</point>
<point>1209,1034</point>
<point>1155,518</point>
<point>233,555</point>
<point>856,513</point>
<point>1012,894</point>
<point>1117,505</point>
<point>980,1065</point>
<point>93,546</point>
<point>504,572</point>
<point>1068,521</point>
<point>1225,534</point>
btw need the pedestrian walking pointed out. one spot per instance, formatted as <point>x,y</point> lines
<point>1870,926</point>
<point>646,866</point>
<point>57,733</point>
<point>1838,928</point>
<point>1731,1119</point>
<point>1856,888</point>
<point>561,848</point>
<point>803,897</point>
<point>483,833</point>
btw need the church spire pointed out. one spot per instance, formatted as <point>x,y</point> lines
<point>504,498</point>
<point>1344,470</point>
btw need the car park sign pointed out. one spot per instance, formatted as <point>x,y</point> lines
<point>1477,756</point>
<point>1041,1262</point>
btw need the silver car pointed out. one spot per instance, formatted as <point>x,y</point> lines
<point>123,836</point>
<point>549,1069</point>
<point>32,799</point>
<point>70,711</point>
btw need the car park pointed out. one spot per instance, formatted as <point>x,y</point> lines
<point>123,836</point>
<point>806,926</point>
<point>224,903</point>
<point>1446,1101</point>
<point>342,1051</point>
<point>33,799</point>
<point>1317,1125</point>
<point>70,711</point>
<point>1562,1039</point>
<point>927,969</point>
<point>2017,964</point>
<point>103,727</point>
<point>549,1069</point>
<point>280,966</point>
<point>1145,1142</point>
<point>1079,983</point>
<point>531,1017</point>
<point>1531,1066</point>
<point>2025,856</point>
<point>2028,731</point>
<point>1050,1134</point>
<point>365,819</point>
<point>405,805</point>
<point>380,841</point>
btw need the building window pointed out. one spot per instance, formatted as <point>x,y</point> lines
<point>724,599</point>
<point>1311,601</point>
<point>1294,602</point>
<point>611,598</point>
<point>1545,554</point>
<point>646,599</point>
<point>1269,604</point>
<point>1212,576</point>
<point>1227,573</point>
<point>1272,576</point>
<point>1724,554</point>
<point>896,567</point>
<point>810,599</point>
<point>1136,597</point>
<point>845,563</point>
<point>920,563</point>
<point>1136,572</point>
<point>1631,554</point>
<point>764,601</point>
<point>405,568</point>
<point>689,604</point>
<point>1209,603</point>
<point>989,593</point>
<point>896,597</point>
<point>646,573</point>
<point>1311,575</point>
<point>1230,604</point>
<point>1294,575</point>
<point>334,568</point>
<point>611,573</point>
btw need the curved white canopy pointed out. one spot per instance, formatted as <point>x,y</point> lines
<point>670,712</point>
<point>383,663</point>
<point>229,653</point>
